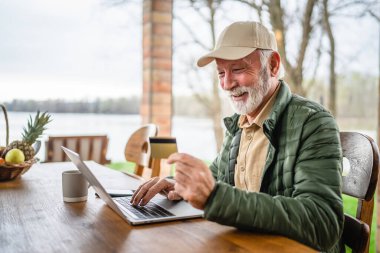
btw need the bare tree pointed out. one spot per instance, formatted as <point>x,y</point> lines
<point>332,85</point>
<point>278,19</point>
<point>313,19</point>
<point>212,103</point>
<point>348,8</point>
<point>361,8</point>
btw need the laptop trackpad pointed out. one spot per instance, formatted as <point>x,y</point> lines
<point>180,207</point>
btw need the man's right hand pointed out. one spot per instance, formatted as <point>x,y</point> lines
<point>149,189</point>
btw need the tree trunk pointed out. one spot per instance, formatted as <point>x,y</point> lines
<point>277,16</point>
<point>216,112</point>
<point>277,20</point>
<point>306,33</point>
<point>215,106</point>
<point>332,85</point>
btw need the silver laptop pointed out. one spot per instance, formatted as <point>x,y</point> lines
<point>159,209</point>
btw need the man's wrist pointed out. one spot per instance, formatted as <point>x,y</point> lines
<point>211,196</point>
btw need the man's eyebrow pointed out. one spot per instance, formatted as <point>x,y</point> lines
<point>232,64</point>
<point>239,64</point>
<point>220,66</point>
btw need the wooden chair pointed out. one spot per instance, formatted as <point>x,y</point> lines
<point>137,149</point>
<point>92,147</point>
<point>359,180</point>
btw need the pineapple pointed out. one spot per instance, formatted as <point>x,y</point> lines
<point>29,136</point>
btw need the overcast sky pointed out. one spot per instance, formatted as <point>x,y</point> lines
<point>69,49</point>
<point>86,49</point>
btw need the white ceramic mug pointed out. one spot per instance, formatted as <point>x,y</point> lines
<point>74,186</point>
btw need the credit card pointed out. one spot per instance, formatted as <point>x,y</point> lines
<point>162,147</point>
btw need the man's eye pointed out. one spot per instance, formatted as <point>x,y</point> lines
<point>237,70</point>
<point>221,73</point>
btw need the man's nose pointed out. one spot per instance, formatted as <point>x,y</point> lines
<point>228,82</point>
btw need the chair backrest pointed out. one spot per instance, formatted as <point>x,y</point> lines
<point>91,147</point>
<point>137,147</point>
<point>360,175</point>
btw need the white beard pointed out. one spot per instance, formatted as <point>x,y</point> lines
<point>256,94</point>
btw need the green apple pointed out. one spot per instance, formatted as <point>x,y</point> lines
<point>14,156</point>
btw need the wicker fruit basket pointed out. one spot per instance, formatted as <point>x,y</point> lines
<point>12,171</point>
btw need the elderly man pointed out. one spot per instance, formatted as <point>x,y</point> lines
<point>279,169</point>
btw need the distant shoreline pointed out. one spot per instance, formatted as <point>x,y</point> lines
<point>118,128</point>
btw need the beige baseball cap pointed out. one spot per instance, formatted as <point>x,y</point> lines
<point>239,40</point>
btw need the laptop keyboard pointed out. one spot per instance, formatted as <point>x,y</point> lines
<point>149,211</point>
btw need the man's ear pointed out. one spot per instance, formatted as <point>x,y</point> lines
<point>274,63</point>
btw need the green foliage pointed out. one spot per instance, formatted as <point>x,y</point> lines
<point>122,166</point>
<point>35,127</point>
<point>350,204</point>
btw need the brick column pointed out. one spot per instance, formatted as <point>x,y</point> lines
<point>156,101</point>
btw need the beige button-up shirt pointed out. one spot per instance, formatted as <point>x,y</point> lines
<point>253,149</point>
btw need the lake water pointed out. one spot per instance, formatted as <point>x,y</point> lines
<point>194,135</point>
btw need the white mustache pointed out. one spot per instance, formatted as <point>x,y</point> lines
<point>237,91</point>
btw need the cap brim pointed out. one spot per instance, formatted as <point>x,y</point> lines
<point>226,53</point>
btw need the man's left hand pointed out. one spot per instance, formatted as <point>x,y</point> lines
<point>194,181</point>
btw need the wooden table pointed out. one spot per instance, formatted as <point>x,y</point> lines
<point>34,218</point>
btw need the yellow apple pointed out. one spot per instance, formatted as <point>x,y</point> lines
<point>14,156</point>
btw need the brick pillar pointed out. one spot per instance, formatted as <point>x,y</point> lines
<point>156,102</point>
